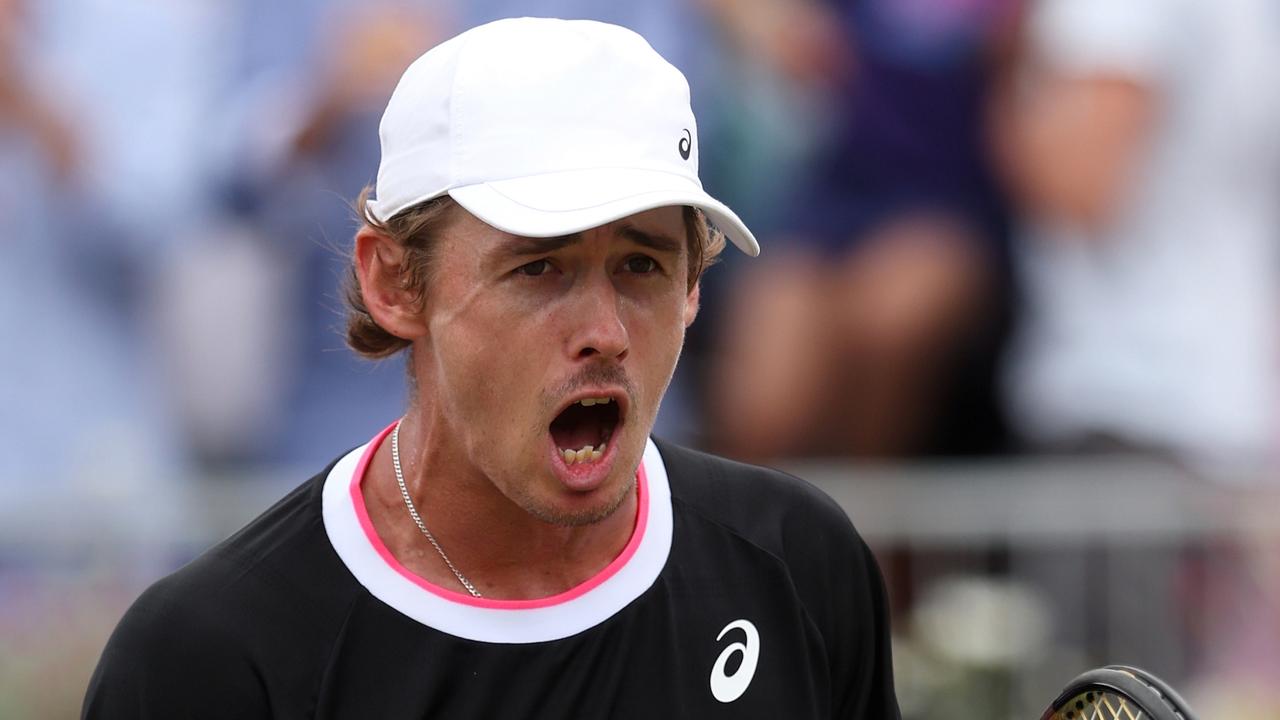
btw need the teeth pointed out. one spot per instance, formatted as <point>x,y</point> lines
<point>588,402</point>
<point>585,454</point>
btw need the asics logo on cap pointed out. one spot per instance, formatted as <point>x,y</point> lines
<point>686,144</point>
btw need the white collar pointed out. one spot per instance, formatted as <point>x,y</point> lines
<point>498,621</point>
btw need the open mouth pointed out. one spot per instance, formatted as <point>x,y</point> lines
<point>582,431</point>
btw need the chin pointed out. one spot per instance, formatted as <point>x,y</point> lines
<point>586,509</point>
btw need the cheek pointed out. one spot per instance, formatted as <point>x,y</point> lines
<point>656,340</point>
<point>490,382</point>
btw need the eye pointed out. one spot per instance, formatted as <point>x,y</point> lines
<point>641,264</point>
<point>535,268</point>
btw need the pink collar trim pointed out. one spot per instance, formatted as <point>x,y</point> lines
<point>362,514</point>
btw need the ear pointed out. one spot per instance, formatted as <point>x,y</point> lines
<point>692,303</point>
<point>392,306</point>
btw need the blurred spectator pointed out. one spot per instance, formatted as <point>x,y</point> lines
<point>1143,138</point>
<point>75,411</point>
<point>847,337</point>
<point>1143,141</point>
<point>137,78</point>
<point>299,130</point>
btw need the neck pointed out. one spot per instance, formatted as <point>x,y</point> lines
<point>507,553</point>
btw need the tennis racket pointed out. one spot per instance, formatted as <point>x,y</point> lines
<point>1118,692</point>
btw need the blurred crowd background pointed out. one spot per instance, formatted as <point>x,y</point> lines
<point>1007,245</point>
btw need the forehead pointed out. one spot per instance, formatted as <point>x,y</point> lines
<point>661,229</point>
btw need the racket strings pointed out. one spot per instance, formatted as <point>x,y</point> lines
<point>1095,705</point>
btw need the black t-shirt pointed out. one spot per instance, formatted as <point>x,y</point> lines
<point>742,593</point>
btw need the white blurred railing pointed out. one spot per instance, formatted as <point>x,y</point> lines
<point>1064,500</point>
<point>945,504</point>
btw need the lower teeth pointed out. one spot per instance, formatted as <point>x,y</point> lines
<point>585,454</point>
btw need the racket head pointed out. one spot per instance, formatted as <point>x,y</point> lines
<point>1118,692</point>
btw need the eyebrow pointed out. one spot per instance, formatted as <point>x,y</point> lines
<point>520,245</point>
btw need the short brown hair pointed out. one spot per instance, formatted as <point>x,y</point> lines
<point>415,228</point>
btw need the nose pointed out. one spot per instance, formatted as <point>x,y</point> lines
<point>598,326</point>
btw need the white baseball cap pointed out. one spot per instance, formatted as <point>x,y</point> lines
<point>543,127</point>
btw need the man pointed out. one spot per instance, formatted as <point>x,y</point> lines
<point>516,545</point>
<point>891,277</point>
<point>1141,138</point>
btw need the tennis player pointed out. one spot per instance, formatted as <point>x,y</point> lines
<point>517,545</point>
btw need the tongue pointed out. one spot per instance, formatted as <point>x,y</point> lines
<point>576,428</point>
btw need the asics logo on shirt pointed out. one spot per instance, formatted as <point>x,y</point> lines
<point>727,688</point>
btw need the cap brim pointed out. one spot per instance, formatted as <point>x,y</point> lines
<point>567,202</point>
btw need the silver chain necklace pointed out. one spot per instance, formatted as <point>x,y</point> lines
<point>413,512</point>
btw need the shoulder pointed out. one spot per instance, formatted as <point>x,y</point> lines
<point>218,632</point>
<point>784,516</point>
<point>281,558</point>
<point>780,513</point>
<point>833,572</point>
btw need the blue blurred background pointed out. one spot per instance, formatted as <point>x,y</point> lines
<point>1016,308</point>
